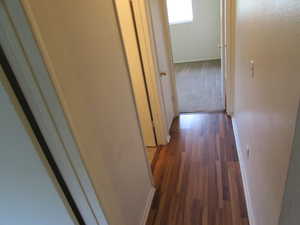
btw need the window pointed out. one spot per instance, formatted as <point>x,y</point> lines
<point>180,11</point>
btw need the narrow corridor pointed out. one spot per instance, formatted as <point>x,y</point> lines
<point>197,175</point>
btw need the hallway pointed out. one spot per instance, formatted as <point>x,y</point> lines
<point>200,86</point>
<point>197,175</point>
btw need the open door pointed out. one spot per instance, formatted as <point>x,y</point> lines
<point>132,49</point>
<point>157,8</point>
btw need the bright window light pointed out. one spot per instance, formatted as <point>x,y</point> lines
<point>180,11</point>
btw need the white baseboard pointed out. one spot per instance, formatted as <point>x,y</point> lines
<point>244,173</point>
<point>148,206</point>
<point>168,138</point>
<point>196,60</point>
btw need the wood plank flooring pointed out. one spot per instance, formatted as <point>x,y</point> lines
<point>197,175</point>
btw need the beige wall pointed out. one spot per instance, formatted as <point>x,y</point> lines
<point>199,39</point>
<point>267,32</point>
<point>81,43</point>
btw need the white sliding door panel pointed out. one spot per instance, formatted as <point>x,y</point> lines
<point>28,193</point>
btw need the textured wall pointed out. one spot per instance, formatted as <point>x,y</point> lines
<point>267,32</point>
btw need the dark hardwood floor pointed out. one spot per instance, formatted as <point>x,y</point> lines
<point>197,175</point>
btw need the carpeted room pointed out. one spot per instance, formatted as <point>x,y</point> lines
<point>195,40</point>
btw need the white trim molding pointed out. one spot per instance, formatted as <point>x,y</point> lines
<point>230,34</point>
<point>148,206</point>
<point>244,173</point>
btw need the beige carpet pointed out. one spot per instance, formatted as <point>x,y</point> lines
<point>200,86</point>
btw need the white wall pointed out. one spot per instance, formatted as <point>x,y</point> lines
<point>28,194</point>
<point>291,202</point>
<point>81,44</point>
<point>199,39</point>
<point>267,32</point>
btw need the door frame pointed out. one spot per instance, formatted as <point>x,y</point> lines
<point>24,56</point>
<point>227,43</point>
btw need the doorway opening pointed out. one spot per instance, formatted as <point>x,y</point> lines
<point>196,34</point>
<point>147,39</point>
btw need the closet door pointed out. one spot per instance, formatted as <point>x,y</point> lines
<point>29,192</point>
<point>137,74</point>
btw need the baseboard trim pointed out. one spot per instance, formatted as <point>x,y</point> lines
<point>148,206</point>
<point>168,138</point>
<point>243,172</point>
<point>196,60</point>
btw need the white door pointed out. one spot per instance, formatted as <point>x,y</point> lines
<point>132,49</point>
<point>157,8</point>
<point>29,194</point>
